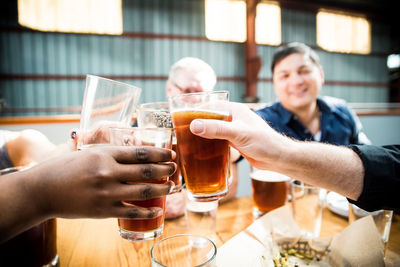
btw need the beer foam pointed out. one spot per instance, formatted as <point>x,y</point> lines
<point>268,176</point>
<point>154,138</point>
<point>218,112</point>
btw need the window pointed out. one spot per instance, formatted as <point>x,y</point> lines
<point>393,61</point>
<point>268,24</point>
<point>226,21</point>
<point>338,32</point>
<point>78,16</point>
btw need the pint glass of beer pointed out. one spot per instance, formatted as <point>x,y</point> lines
<point>157,115</point>
<point>36,246</point>
<point>270,190</point>
<point>143,229</point>
<point>204,162</point>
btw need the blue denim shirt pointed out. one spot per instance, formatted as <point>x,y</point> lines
<point>339,125</point>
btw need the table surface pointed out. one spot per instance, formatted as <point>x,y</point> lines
<point>90,242</point>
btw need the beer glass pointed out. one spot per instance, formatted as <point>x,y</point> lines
<point>382,219</point>
<point>157,115</point>
<point>184,251</point>
<point>204,162</point>
<point>105,103</point>
<point>270,190</point>
<point>36,246</point>
<point>201,217</point>
<point>143,229</point>
<point>307,203</point>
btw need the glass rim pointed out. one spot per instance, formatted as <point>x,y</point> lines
<point>200,93</point>
<point>156,129</point>
<point>113,81</point>
<point>284,177</point>
<point>185,235</point>
<point>303,185</point>
<point>144,105</point>
<point>14,169</point>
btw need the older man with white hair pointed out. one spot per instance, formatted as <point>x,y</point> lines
<point>192,75</point>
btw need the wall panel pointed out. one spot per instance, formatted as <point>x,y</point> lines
<point>63,59</point>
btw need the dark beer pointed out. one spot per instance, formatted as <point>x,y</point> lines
<point>270,190</point>
<point>35,247</point>
<point>203,162</point>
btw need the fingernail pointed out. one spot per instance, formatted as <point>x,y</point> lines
<point>155,212</point>
<point>171,187</point>
<point>172,168</point>
<point>73,134</point>
<point>197,127</point>
<point>173,154</point>
<point>159,212</point>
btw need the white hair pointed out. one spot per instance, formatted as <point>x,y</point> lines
<point>193,65</point>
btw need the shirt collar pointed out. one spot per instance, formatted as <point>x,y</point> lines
<point>286,115</point>
<point>324,106</point>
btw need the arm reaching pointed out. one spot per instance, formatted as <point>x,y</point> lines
<point>90,183</point>
<point>332,167</point>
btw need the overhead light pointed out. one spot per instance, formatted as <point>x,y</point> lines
<point>225,20</point>
<point>75,16</point>
<point>393,61</point>
<point>345,33</point>
<point>268,24</point>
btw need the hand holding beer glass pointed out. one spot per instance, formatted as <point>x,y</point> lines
<point>204,162</point>
<point>157,115</point>
<point>143,229</point>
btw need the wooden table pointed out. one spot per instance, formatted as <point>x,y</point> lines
<point>89,242</point>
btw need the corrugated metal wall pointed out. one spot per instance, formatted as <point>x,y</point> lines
<point>72,55</point>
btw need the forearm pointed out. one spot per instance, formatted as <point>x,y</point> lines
<point>332,167</point>
<point>18,206</point>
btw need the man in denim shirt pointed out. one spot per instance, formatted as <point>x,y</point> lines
<point>298,78</point>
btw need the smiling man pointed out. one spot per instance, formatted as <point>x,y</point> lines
<point>300,112</point>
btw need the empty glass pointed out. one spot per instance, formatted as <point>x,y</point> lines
<point>106,103</point>
<point>382,219</point>
<point>307,203</point>
<point>184,251</point>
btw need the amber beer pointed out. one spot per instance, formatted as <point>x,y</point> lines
<point>143,229</point>
<point>203,162</point>
<point>270,190</point>
<point>145,225</point>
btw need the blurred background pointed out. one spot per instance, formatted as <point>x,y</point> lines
<point>47,47</point>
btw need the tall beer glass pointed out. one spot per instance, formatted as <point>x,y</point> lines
<point>157,115</point>
<point>143,229</point>
<point>204,162</point>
